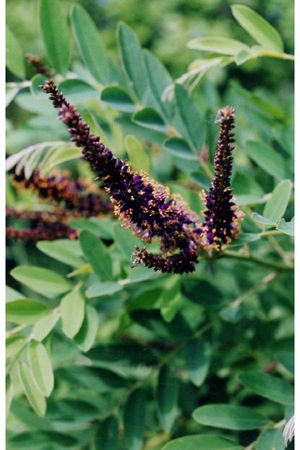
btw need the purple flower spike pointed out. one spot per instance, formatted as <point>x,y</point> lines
<point>144,206</point>
<point>222,216</point>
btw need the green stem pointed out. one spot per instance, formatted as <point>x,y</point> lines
<point>256,260</point>
<point>261,283</point>
<point>271,233</point>
<point>16,330</point>
<point>270,54</point>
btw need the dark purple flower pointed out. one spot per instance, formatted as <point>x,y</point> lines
<point>144,206</point>
<point>44,225</point>
<point>60,189</point>
<point>221,223</point>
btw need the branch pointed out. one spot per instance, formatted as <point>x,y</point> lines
<point>256,260</point>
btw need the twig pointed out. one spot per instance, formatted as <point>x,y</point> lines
<point>263,282</point>
<point>256,260</point>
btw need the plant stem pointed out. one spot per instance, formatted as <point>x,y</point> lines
<point>271,233</point>
<point>263,282</point>
<point>270,54</point>
<point>256,260</point>
<point>16,330</point>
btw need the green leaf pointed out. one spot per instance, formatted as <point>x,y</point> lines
<point>286,359</point>
<point>224,46</point>
<point>59,155</point>
<point>287,227</point>
<point>98,227</point>
<point>72,313</point>
<point>230,417</point>
<point>276,206</point>
<point>191,117</point>
<point>10,94</point>
<point>258,28</point>
<point>203,293</point>
<point>99,289</point>
<point>170,300</point>
<point>159,80</point>
<point>117,98</point>
<point>131,57</point>
<point>43,281</point>
<point>78,91</point>
<point>167,397</point>
<point>25,312</point>
<point>261,220</point>
<point>9,390</point>
<point>12,294</point>
<point>86,336</point>
<point>268,386</point>
<point>55,34</point>
<point>14,345</point>
<point>150,118</point>
<point>271,440</point>
<point>134,420</point>
<point>266,158</point>
<point>90,44</point>
<point>107,436</point>
<point>180,148</point>
<point>124,240</point>
<point>97,255</point>
<point>34,397</point>
<point>242,57</point>
<point>14,55</point>
<point>36,83</point>
<point>201,442</point>
<point>138,158</point>
<point>41,367</point>
<point>197,360</point>
<point>45,325</point>
<point>62,250</point>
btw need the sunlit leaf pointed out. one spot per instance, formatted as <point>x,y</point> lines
<point>41,367</point>
<point>276,206</point>
<point>44,281</point>
<point>25,312</point>
<point>87,334</point>
<point>72,313</point>
<point>34,397</point>
<point>138,158</point>
<point>220,45</point>
<point>231,417</point>
<point>258,27</point>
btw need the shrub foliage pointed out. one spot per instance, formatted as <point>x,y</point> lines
<point>171,328</point>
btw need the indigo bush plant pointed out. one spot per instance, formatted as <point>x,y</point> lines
<point>149,237</point>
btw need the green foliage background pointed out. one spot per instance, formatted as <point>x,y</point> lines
<point>103,356</point>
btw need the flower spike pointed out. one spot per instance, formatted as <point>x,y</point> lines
<point>221,223</point>
<point>59,188</point>
<point>144,206</point>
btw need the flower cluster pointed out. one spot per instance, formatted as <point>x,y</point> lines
<point>144,206</point>
<point>147,208</point>
<point>221,223</point>
<point>44,225</point>
<point>60,189</point>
